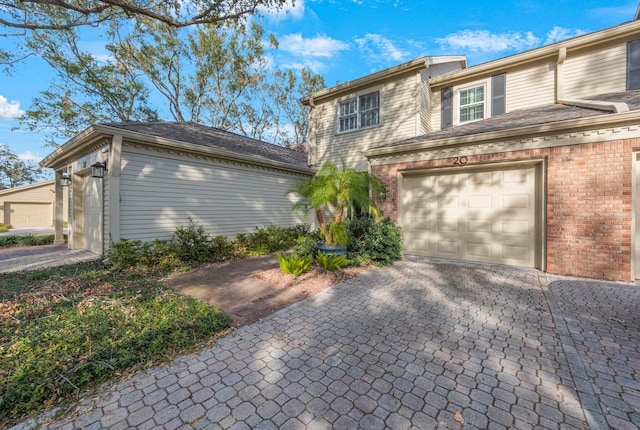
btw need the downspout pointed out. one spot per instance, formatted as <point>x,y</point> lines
<point>616,107</point>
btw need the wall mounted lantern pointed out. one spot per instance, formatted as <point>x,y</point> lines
<point>65,179</point>
<point>98,169</point>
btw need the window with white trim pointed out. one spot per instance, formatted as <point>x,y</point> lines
<point>359,112</point>
<point>472,102</point>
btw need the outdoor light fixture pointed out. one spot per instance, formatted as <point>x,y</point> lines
<point>98,169</point>
<point>65,179</point>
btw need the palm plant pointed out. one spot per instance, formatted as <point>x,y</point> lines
<point>343,191</point>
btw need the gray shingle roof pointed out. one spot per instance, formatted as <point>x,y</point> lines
<point>527,117</point>
<point>215,138</point>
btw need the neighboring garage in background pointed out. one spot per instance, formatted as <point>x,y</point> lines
<point>30,205</point>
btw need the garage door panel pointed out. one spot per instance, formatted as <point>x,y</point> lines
<point>486,216</point>
<point>478,226</point>
<point>516,201</point>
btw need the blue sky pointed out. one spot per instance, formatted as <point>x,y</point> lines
<point>346,39</point>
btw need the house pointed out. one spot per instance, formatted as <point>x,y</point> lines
<point>153,177</point>
<point>530,160</point>
<point>29,205</point>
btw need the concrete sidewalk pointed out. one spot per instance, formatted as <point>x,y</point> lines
<point>422,344</point>
<point>26,231</point>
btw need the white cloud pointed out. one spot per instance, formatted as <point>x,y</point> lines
<point>98,51</point>
<point>484,41</point>
<point>558,33</point>
<point>9,109</point>
<point>289,9</point>
<point>30,156</point>
<point>319,46</point>
<point>379,47</point>
<point>311,64</point>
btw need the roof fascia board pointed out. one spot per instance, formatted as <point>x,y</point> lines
<point>419,63</point>
<point>26,187</point>
<point>553,128</point>
<point>537,54</point>
<point>98,131</point>
<point>72,146</point>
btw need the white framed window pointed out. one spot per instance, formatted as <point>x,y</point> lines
<point>472,104</point>
<point>359,112</point>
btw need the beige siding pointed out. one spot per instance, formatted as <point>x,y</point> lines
<point>161,191</point>
<point>596,72</point>
<point>425,103</point>
<point>531,87</point>
<point>399,120</point>
<point>41,196</point>
<point>435,110</point>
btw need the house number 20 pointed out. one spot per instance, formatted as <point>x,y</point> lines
<point>460,160</point>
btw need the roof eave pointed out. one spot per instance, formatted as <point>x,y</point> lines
<point>27,187</point>
<point>96,131</point>
<point>537,54</point>
<point>418,63</point>
<point>564,126</point>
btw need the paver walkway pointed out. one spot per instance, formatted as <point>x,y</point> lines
<point>420,345</point>
<point>36,257</point>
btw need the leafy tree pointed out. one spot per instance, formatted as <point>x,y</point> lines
<point>286,91</point>
<point>344,190</point>
<point>68,14</point>
<point>15,172</point>
<point>214,75</point>
<point>86,90</point>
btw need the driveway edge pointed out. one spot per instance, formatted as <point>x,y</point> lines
<point>590,404</point>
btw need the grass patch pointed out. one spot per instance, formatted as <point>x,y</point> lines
<point>27,240</point>
<point>68,329</point>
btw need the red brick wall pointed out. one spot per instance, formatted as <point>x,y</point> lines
<point>588,198</point>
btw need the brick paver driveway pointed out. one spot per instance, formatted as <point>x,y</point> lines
<point>420,345</point>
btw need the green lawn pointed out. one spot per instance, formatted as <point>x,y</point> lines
<point>70,328</point>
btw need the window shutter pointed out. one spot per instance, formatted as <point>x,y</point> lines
<point>498,94</point>
<point>446,107</point>
<point>633,65</point>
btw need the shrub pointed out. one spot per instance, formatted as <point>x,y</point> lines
<point>307,244</point>
<point>126,253</point>
<point>380,243</point>
<point>293,264</point>
<point>28,240</point>
<point>332,262</point>
<point>222,248</point>
<point>192,243</point>
<point>266,240</point>
<point>4,228</point>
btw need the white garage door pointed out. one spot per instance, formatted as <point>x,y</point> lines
<point>486,216</point>
<point>30,214</point>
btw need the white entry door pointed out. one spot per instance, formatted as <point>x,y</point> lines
<point>92,214</point>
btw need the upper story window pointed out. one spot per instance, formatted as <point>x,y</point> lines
<point>359,112</point>
<point>472,104</point>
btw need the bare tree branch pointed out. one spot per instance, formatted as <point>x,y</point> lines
<point>65,15</point>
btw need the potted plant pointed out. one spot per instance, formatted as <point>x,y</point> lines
<point>338,193</point>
